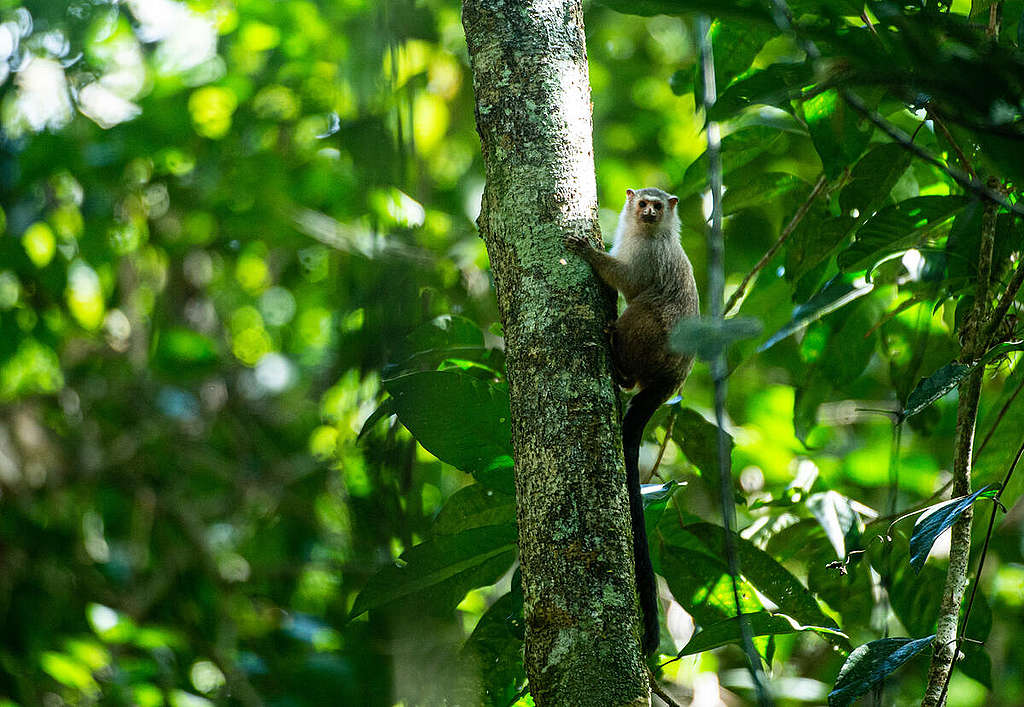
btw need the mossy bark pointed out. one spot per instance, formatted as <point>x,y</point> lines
<point>533,114</point>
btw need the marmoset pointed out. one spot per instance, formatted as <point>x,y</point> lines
<point>648,265</point>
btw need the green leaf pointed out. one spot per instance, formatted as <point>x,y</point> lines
<point>445,338</point>
<point>763,189</point>
<point>839,134</point>
<point>762,623</point>
<point>701,584</point>
<point>698,439</point>
<point>746,9</point>
<point>814,240</point>
<point>936,385</point>
<point>840,290</point>
<point>385,409</point>
<point>475,506</point>
<point>930,389</point>
<point>428,401</point>
<point>937,518</point>
<point>494,653</point>
<point>870,663</point>
<point>837,517</point>
<point>769,577</point>
<point>774,85</point>
<point>896,228</point>
<point>873,178</point>
<point>440,571</point>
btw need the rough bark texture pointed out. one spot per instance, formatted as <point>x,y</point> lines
<point>534,118</point>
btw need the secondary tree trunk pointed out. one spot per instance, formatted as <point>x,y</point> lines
<point>534,118</point>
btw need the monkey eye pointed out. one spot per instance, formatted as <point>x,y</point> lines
<point>657,205</point>
<point>642,203</point>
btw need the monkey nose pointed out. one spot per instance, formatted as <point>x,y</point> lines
<point>648,216</point>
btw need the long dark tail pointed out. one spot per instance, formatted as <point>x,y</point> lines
<point>641,407</point>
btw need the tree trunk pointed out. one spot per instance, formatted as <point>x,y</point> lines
<point>533,114</point>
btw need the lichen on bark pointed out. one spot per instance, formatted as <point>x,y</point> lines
<point>533,114</point>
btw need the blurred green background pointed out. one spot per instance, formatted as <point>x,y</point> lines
<point>220,222</point>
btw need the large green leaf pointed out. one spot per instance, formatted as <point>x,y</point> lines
<point>873,178</point>
<point>870,664</point>
<point>495,653</point>
<point>769,577</point>
<point>439,572</point>
<point>774,85</point>
<point>840,135</point>
<point>896,228</point>
<point>698,439</point>
<point>428,402</point>
<point>837,292</point>
<point>762,623</point>
<point>475,506</point>
<point>936,385</point>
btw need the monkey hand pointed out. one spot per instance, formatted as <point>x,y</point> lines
<point>578,244</point>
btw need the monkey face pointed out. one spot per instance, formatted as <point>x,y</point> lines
<point>649,206</point>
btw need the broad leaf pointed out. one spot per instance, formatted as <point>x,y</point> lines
<point>872,179</point>
<point>896,228</point>
<point>493,652</point>
<point>837,517</point>
<point>774,85</point>
<point>698,439</point>
<point>762,623</point>
<point>838,132</point>
<point>871,663</point>
<point>440,571</point>
<point>427,402</point>
<point>769,577</point>
<point>475,506</point>
<point>936,385</point>
<point>840,290</point>
<point>936,519</point>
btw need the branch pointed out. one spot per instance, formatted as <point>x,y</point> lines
<point>770,253</point>
<point>716,284</point>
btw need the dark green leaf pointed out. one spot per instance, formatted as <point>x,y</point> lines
<point>475,506</point>
<point>762,623</point>
<point>837,517</point>
<point>763,189</point>
<point>873,178</point>
<point>896,228</point>
<point>839,133</point>
<point>937,518</point>
<point>494,653</point>
<point>936,385</point>
<point>698,439</point>
<point>840,290</point>
<point>774,85</point>
<point>871,663</point>
<point>440,571</point>
<point>426,403</point>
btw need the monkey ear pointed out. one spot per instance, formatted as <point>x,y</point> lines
<point>672,201</point>
<point>630,193</point>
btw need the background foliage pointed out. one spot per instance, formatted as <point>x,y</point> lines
<point>235,234</point>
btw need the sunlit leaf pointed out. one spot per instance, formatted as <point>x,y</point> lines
<point>426,403</point>
<point>762,623</point>
<point>439,572</point>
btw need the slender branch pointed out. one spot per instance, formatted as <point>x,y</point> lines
<point>1005,301</point>
<point>969,183</point>
<point>981,566</point>
<point>944,653</point>
<point>770,253</point>
<point>716,285</point>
